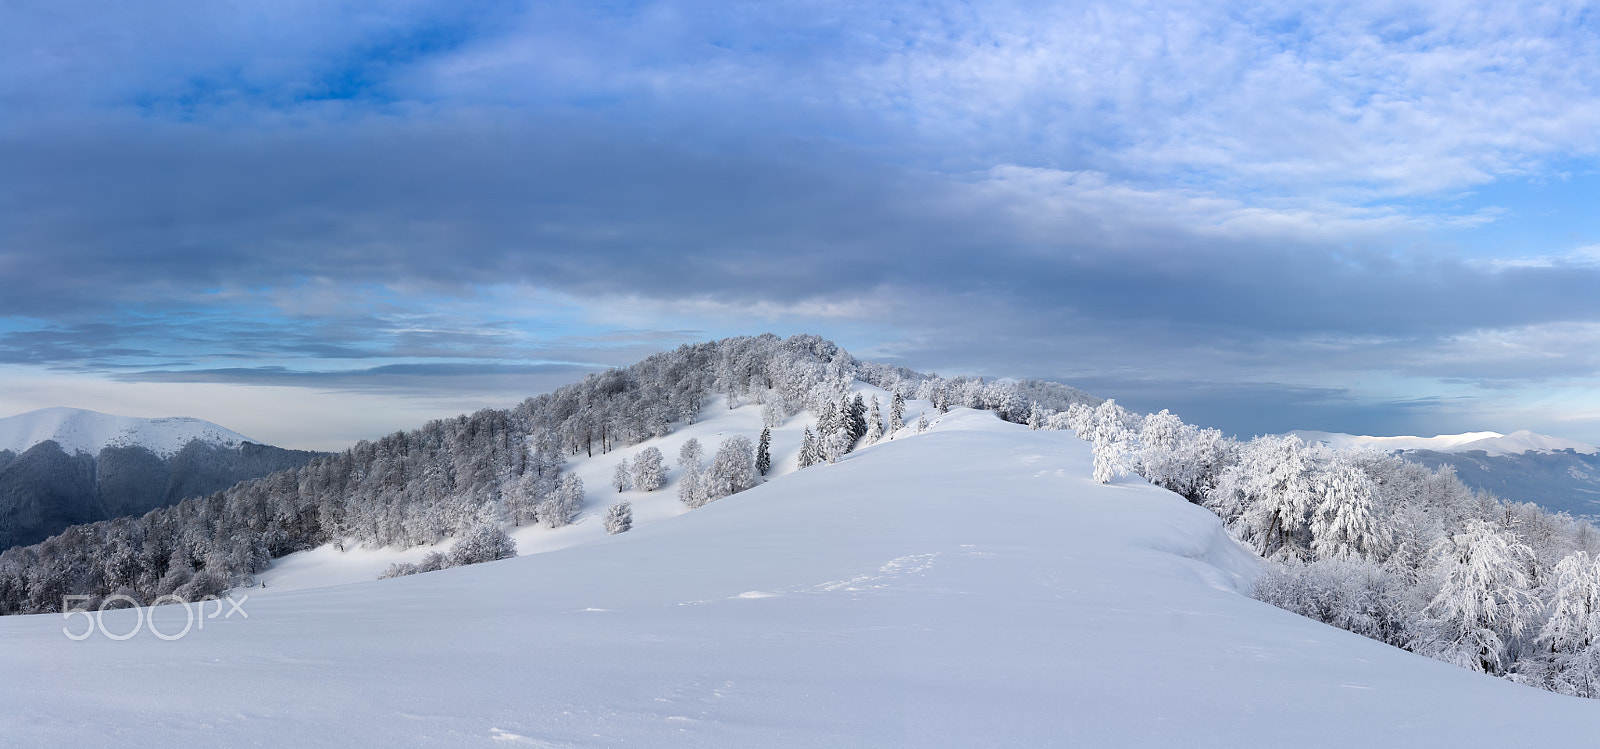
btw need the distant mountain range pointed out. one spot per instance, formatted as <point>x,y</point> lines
<point>64,466</point>
<point>1555,473</point>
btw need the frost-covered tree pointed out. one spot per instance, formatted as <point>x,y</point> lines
<point>1345,522</point>
<point>773,411</point>
<point>808,449</point>
<point>1268,495</point>
<point>1111,433</point>
<point>828,421</point>
<point>1572,634</point>
<point>764,451</point>
<point>922,422</point>
<point>561,507</point>
<point>855,412</point>
<point>835,445</point>
<point>649,474</point>
<point>874,422</point>
<point>689,454</point>
<point>733,469</point>
<point>622,478</point>
<point>619,517</point>
<point>485,543</point>
<point>1483,609</point>
<point>897,413</point>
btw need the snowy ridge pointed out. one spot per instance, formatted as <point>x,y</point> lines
<point>78,430</point>
<point>1493,443</point>
<point>969,586</point>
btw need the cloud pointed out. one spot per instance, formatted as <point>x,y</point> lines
<point>337,196</point>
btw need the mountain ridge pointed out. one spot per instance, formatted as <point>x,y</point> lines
<point>78,430</point>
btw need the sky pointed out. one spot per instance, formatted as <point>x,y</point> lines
<point>317,222</point>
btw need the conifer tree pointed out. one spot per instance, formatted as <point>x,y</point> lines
<point>874,422</point>
<point>764,451</point>
<point>897,413</point>
<point>808,449</point>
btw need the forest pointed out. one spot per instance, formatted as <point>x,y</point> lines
<point>1388,549</point>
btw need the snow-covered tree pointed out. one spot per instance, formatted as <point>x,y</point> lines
<point>835,445</point>
<point>692,485</point>
<point>619,517</point>
<point>1268,495</point>
<point>897,413</point>
<point>1483,608</point>
<point>922,422</point>
<point>874,422</point>
<point>1345,521</point>
<point>689,454</point>
<point>1111,433</point>
<point>622,478</point>
<point>1572,634</point>
<point>855,412</point>
<point>733,469</point>
<point>648,472</point>
<point>484,543</point>
<point>561,507</point>
<point>808,449</point>
<point>764,451</point>
<point>773,411</point>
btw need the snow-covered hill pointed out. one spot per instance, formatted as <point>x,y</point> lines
<point>77,430</point>
<point>1492,443</point>
<point>970,586</point>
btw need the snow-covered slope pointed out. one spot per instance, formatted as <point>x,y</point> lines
<point>77,430</point>
<point>966,587</point>
<point>1492,443</point>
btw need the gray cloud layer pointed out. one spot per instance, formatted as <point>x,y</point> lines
<point>1162,195</point>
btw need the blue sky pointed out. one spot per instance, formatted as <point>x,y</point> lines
<point>317,222</point>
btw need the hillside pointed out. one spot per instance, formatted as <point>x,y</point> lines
<point>966,587</point>
<point>61,467</point>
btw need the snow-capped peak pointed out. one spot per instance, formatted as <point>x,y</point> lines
<point>1493,443</point>
<point>77,430</point>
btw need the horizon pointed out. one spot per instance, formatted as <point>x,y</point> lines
<point>318,224</point>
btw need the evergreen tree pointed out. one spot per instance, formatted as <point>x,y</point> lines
<point>922,423</point>
<point>619,517</point>
<point>808,449</point>
<point>764,451</point>
<point>897,413</point>
<point>874,422</point>
<point>856,423</point>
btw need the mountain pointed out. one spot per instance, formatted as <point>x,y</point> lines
<point>64,466</point>
<point>967,586</point>
<point>76,430</point>
<point>1555,473</point>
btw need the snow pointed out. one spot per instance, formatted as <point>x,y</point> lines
<point>1493,443</point>
<point>77,430</point>
<point>969,586</point>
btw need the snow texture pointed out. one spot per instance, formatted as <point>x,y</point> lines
<point>970,586</point>
<point>77,430</point>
